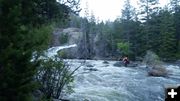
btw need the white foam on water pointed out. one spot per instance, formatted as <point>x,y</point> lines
<point>53,50</point>
<point>110,83</point>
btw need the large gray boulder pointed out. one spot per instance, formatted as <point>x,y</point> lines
<point>158,71</point>
<point>105,62</point>
<point>119,64</point>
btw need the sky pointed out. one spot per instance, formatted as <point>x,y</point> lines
<point>108,9</point>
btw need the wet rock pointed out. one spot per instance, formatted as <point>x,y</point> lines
<point>119,64</point>
<point>61,100</point>
<point>86,100</point>
<point>105,62</point>
<point>157,72</point>
<point>132,65</point>
<point>89,65</point>
<point>91,69</point>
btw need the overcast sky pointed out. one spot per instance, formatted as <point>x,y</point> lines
<point>108,9</point>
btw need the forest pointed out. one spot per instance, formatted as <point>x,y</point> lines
<point>26,28</point>
<point>134,32</point>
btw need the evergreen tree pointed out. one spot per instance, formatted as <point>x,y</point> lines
<point>23,31</point>
<point>148,8</point>
<point>128,11</point>
<point>175,5</point>
<point>167,36</point>
<point>126,19</point>
<point>129,27</point>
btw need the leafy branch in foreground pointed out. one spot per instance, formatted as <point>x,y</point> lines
<point>55,77</point>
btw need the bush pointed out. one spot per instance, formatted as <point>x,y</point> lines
<point>55,78</point>
<point>124,48</point>
<point>62,54</point>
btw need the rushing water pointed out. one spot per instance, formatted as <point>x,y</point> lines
<point>110,83</point>
<point>53,50</point>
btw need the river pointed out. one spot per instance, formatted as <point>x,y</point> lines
<point>110,83</point>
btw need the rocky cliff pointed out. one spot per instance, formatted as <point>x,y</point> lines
<point>73,36</point>
<point>67,36</point>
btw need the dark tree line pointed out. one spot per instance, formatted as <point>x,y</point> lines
<point>137,30</point>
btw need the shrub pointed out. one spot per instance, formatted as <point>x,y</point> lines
<point>62,54</point>
<point>124,48</point>
<point>55,78</point>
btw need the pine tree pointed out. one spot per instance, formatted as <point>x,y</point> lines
<point>148,8</point>
<point>167,34</point>
<point>129,25</point>
<point>23,30</point>
<point>128,11</point>
<point>175,6</point>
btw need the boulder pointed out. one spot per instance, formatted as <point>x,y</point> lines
<point>91,69</point>
<point>89,65</point>
<point>132,65</point>
<point>105,62</point>
<point>119,64</point>
<point>158,71</point>
<point>86,100</point>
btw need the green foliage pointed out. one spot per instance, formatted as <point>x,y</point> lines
<point>124,48</point>
<point>167,48</point>
<point>178,53</point>
<point>55,77</point>
<point>24,29</point>
<point>75,21</point>
<point>128,11</point>
<point>157,31</point>
<point>62,54</point>
<point>63,39</point>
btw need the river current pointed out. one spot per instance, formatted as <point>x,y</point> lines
<point>97,81</point>
<point>110,83</point>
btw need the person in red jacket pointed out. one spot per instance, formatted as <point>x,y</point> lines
<point>125,61</point>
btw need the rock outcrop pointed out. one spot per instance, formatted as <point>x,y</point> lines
<point>73,36</point>
<point>67,36</point>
